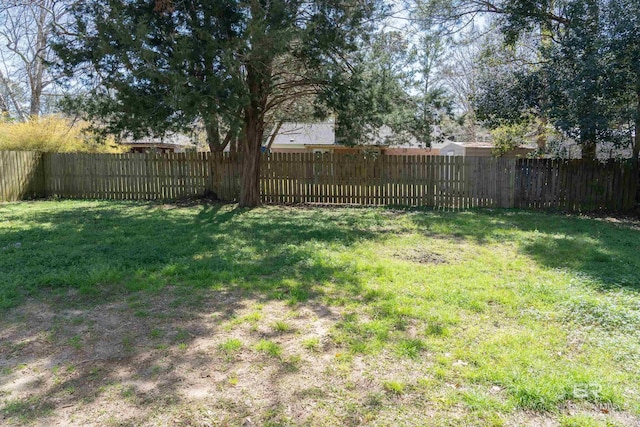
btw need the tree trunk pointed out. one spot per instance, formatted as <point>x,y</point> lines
<point>36,74</point>
<point>541,140</point>
<point>252,138</point>
<point>213,134</point>
<point>588,143</point>
<point>250,188</point>
<point>636,148</point>
<point>636,141</point>
<point>274,135</point>
<point>589,150</point>
<point>258,81</point>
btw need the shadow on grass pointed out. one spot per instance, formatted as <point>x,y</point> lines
<point>604,250</point>
<point>146,247</point>
<point>113,290</point>
<point>119,289</point>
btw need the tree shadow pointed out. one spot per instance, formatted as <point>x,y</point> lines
<point>108,296</point>
<point>115,302</point>
<point>605,250</point>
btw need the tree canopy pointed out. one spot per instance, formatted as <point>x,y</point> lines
<point>165,64</point>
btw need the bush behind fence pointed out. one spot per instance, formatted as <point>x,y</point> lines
<point>430,181</point>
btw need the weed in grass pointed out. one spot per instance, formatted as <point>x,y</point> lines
<point>410,348</point>
<point>394,387</point>
<point>312,344</point>
<point>252,319</point>
<point>127,343</point>
<point>94,373</point>
<point>75,342</point>
<point>156,333</point>
<point>437,329</point>
<point>583,420</point>
<point>477,400</point>
<point>231,346</point>
<point>311,393</point>
<point>281,326</point>
<point>614,313</point>
<point>26,410</point>
<point>292,363</point>
<point>269,347</point>
<point>374,400</point>
<point>233,379</point>
<point>78,320</point>
<point>276,417</point>
<point>181,336</point>
<point>440,372</point>
<point>128,393</point>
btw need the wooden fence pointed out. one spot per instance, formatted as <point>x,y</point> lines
<point>433,181</point>
<point>21,175</point>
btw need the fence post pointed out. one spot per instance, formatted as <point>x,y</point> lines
<point>511,189</point>
<point>40,190</point>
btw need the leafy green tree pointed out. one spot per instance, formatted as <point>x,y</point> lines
<point>227,63</point>
<point>580,82</point>
<point>622,25</point>
<point>385,92</point>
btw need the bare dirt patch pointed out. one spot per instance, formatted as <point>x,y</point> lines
<point>152,361</point>
<point>420,256</point>
<point>187,357</point>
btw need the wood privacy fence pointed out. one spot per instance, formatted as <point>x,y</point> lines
<point>21,175</point>
<point>439,182</point>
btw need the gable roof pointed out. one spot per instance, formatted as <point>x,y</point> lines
<point>291,133</point>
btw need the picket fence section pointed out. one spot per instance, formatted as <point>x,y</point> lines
<point>21,175</point>
<point>575,185</point>
<point>430,181</point>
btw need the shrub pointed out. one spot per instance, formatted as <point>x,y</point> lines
<point>52,134</point>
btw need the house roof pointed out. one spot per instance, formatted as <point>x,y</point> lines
<point>476,144</point>
<point>173,140</point>
<point>304,134</point>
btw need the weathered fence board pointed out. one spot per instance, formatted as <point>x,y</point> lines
<point>430,181</point>
<point>574,185</point>
<point>21,175</point>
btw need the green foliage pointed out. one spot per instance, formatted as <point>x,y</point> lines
<point>583,80</point>
<point>384,90</point>
<point>52,134</point>
<point>172,65</point>
<point>508,137</point>
<point>165,65</point>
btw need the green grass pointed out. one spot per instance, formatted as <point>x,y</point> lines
<point>522,312</point>
<point>231,346</point>
<point>269,347</point>
<point>281,326</point>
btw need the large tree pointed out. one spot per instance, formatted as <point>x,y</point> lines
<point>227,63</point>
<point>27,84</point>
<point>622,25</point>
<point>584,73</point>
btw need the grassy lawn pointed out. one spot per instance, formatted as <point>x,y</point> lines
<point>118,313</point>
